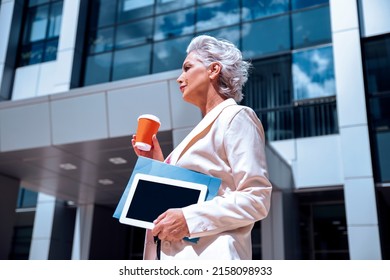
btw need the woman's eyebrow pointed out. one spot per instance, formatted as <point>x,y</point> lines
<point>185,64</point>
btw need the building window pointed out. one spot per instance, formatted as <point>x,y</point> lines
<point>282,96</point>
<point>376,52</point>
<point>377,64</point>
<point>26,198</point>
<point>376,61</point>
<point>148,33</point>
<point>231,32</point>
<point>380,129</point>
<point>137,59</point>
<point>217,15</point>
<point>268,92</point>
<point>173,25</point>
<point>134,9</point>
<point>256,41</point>
<point>163,6</point>
<point>311,27</point>
<point>294,94</point>
<point>323,226</point>
<point>163,60</point>
<point>313,73</point>
<point>256,241</point>
<point>21,242</point>
<point>300,4</point>
<point>315,118</point>
<point>41,32</point>
<point>134,33</point>
<point>252,10</point>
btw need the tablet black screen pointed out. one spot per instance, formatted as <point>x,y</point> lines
<point>152,199</point>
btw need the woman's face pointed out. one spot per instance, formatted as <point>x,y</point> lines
<point>194,81</point>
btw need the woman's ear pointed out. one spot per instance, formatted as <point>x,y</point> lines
<point>214,70</point>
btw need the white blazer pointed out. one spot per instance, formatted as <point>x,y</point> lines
<point>233,150</point>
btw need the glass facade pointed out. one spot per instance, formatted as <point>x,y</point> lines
<point>216,15</point>
<point>256,242</point>
<point>41,32</point>
<point>300,4</point>
<point>310,27</point>
<point>377,67</point>
<point>269,93</point>
<point>21,243</point>
<point>376,61</point>
<point>160,28</point>
<point>23,229</point>
<point>256,41</point>
<point>135,38</point>
<point>313,73</point>
<point>26,198</point>
<point>323,227</point>
<point>252,10</point>
<point>294,95</point>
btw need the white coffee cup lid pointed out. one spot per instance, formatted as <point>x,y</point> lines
<point>149,116</point>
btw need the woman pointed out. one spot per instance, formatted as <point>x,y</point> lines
<point>228,143</point>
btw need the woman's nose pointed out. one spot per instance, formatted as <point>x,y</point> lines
<point>180,79</point>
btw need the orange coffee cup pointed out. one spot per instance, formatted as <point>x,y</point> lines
<point>147,126</point>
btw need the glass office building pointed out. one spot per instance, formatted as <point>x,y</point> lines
<point>75,74</point>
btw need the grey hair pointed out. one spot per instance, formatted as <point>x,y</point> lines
<point>235,70</point>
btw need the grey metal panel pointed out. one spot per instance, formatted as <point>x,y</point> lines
<point>80,118</point>
<point>279,171</point>
<point>25,127</point>
<point>374,16</point>
<point>125,105</point>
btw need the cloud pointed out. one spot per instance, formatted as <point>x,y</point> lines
<point>220,18</point>
<point>320,63</point>
<point>313,73</point>
<point>305,87</point>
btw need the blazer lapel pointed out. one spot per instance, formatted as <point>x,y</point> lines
<point>201,129</point>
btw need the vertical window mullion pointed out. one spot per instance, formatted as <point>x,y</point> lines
<point>49,9</point>
<point>152,39</point>
<point>27,29</point>
<point>47,31</point>
<point>115,28</point>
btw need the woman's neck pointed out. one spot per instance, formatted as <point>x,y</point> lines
<point>211,103</point>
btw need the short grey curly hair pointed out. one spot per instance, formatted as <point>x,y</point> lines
<point>235,70</point>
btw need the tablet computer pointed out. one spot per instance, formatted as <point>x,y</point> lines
<point>149,196</point>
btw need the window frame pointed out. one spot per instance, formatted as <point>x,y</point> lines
<point>46,43</point>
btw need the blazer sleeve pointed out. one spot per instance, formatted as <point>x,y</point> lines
<point>249,199</point>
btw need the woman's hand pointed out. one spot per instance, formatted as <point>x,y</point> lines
<point>171,226</point>
<point>154,153</point>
